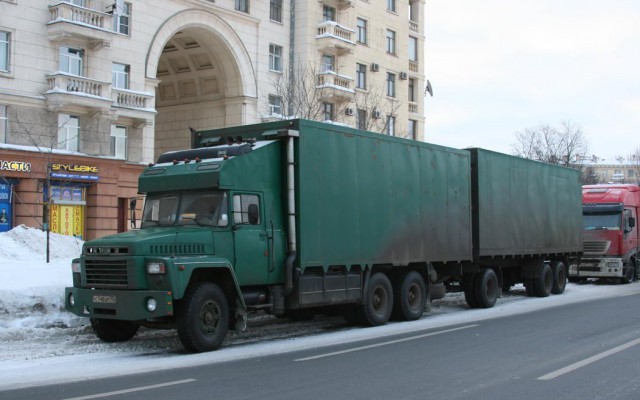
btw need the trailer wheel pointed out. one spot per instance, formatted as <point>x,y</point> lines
<point>468,281</point>
<point>486,288</point>
<point>203,318</point>
<point>542,281</point>
<point>378,301</point>
<point>410,294</point>
<point>113,330</point>
<point>559,272</point>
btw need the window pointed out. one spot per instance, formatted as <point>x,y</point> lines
<point>121,18</point>
<point>120,76</point>
<point>391,84</point>
<point>275,10</point>
<point>242,5</point>
<point>362,30</point>
<point>412,90</point>
<point>275,104</point>
<point>328,62</point>
<point>4,51</point>
<point>391,5</point>
<point>361,76</point>
<point>412,129</point>
<point>3,124</point>
<point>391,41</point>
<point>69,132</point>
<point>631,173</point>
<point>242,205</point>
<point>71,60</point>
<point>77,2</point>
<point>413,49</point>
<point>118,142</point>
<point>327,111</point>
<point>413,11</point>
<point>391,125</point>
<point>361,119</point>
<point>275,58</point>
<point>328,13</point>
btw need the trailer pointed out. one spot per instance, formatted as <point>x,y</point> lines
<point>300,217</point>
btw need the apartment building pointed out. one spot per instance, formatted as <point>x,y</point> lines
<point>92,90</point>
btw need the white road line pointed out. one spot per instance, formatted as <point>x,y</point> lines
<point>138,389</point>
<point>371,346</point>
<point>587,361</point>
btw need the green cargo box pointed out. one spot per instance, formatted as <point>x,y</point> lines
<point>524,207</point>
<point>365,199</point>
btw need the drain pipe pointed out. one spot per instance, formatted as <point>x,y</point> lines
<point>291,210</point>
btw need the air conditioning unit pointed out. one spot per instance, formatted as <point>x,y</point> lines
<point>349,111</point>
<point>375,114</point>
<point>375,67</point>
<point>403,75</point>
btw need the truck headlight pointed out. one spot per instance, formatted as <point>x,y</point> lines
<point>152,304</point>
<point>156,268</point>
<point>72,300</point>
<point>75,267</point>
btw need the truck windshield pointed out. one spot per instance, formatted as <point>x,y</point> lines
<point>601,221</point>
<point>203,208</point>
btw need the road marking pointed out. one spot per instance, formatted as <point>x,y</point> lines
<point>588,361</point>
<point>371,346</point>
<point>138,389</point>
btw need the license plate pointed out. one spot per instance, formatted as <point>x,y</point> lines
<point>104,299</point>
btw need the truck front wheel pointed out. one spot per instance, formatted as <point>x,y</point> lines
<point>203,318</point>
<point>113,330</point>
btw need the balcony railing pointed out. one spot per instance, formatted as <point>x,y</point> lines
<point>413,66</point>
<point>334,85</point>
<point>81,23</point>
<point>73,84</point>
<point>414,27</point>
<point>335,36</point>
<point>413,107</point>
<point>129,99</point>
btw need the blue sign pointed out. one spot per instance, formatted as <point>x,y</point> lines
<point>5,207</point>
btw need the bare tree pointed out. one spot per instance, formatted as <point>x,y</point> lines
<point>377,108</point>
<point>634,164</point>
<point>565,145</point>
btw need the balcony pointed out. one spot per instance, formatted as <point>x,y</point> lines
<point>338,4</point>
<point>334,87</point>
<point>414,27</point>
<point>135,105</point>
<point>335,38</point>
<point>413,107</point>
<point>72,92</point>
<point>80,23</point>
<point>413,66</point>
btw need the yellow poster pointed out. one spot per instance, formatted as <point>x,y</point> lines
<point>67,220</point>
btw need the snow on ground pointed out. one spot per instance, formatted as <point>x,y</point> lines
<point>41,343</point>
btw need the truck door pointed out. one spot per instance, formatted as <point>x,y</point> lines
<point>251,243</point>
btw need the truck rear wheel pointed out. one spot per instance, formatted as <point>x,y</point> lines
<point>203,318</point>
<point>487,288</point>
<point>542,282</point>
<point>410,297</point>
<point>113,330</point>
<point>559,272</point>
<point>468,282</point>
<point>378,302</point>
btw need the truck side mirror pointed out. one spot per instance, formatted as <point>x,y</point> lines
<point>632,222</point>
<point>132,210</point>
<point>253,214</point>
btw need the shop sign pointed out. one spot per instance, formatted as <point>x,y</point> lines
<point>75,171</point>
<point>15,166</point>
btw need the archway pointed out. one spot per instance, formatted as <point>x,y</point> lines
<point>204,75</point>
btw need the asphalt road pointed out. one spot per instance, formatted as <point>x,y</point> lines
<point>587,350</point>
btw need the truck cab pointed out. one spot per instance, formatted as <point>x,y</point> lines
<point>611,239</point>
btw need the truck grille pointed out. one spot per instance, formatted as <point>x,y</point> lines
<point>106,273</point>
<point>176,249</point>
<point>596,246</point>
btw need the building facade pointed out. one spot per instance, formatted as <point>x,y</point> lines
<point>101,88</point>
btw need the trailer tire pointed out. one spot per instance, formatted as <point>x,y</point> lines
<point>487,288</point>
<point>559,272</point>
<point>113,330</point>
<point>543,281</point>
<point>468,282</point>
<point>410,295</point>
<point>203,318</point>
<point>378,301</point>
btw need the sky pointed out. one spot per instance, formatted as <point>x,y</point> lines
<point>498,67</point>
<point>38,336</point>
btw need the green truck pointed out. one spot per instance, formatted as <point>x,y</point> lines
<point>300,217</point>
